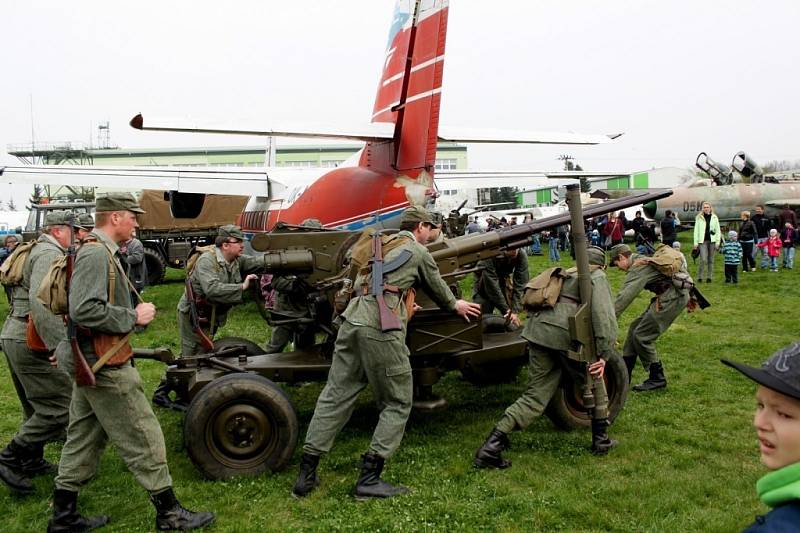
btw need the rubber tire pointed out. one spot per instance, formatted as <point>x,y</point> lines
<point>260,398</point>
<point>496,372</point>
<point>156,267</point>
<point>251,348</point>
<point>565,408</point>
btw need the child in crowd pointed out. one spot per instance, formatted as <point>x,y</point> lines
<point>773,246</point>
<point>732,253</point>
<point>777,424</point>
<point>787,239</point>
<point>677,245</point>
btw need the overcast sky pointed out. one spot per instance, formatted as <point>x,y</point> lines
<point>678,77</point>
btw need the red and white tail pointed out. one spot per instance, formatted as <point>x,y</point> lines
<point>409,92</point>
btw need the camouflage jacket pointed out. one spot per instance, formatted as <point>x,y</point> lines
<point>648,277</point>
<point>50,327</point>
<point>418,272</point>
<point>90,305</point>
<point>492,282</point>
<point>550,327</point>
<point>220,282</point>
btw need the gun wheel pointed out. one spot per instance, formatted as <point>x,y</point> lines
<point>240,424</point>
<point>566,409</point>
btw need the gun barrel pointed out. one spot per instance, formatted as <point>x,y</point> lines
<point>470,248</point>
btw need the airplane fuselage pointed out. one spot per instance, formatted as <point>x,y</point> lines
<point>728,201</point>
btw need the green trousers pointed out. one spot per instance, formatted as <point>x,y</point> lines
<point>44,389</point>
<point>27,408</point>
<point>544,376</point>
<point>116,410</point>
<point>364,355</point>
<point>650,325</point>
<point>190,341</point>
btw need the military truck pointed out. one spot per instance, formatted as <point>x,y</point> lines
<point>239,421</point>
<point>169,241</point>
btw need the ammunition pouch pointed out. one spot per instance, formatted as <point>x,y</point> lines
<point>103,343</point>
<point>32,338</point>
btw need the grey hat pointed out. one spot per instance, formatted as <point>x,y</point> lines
<point>416,213</point>
<point>117,201</point>
<point>84,221</point>
<point>732,234</point>
<point>618,250</point>
<point>781,372</point>
<point>311,223</point>
<point>597,256</point>
<point>58,218</point>
<point>231,232</point>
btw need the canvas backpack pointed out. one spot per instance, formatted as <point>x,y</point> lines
<point>542,291</point>
<point>669,262</point>
<point>11,271</point>
<point>191,263</point>
<point>52,293</point>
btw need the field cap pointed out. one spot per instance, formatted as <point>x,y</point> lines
<point>781,372</point>
<point>84,221</point>
<point>311,223</point>
<point>597,256</point>
<point>58,218</point>
<point>117,201</point>
<point>231,232</point>
<point>616,251</point>
<point>416,213</point>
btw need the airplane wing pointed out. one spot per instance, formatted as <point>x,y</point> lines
<point>467,179</point>
<point>471,135</point>
<point>253,181</point>
<point>375,131</point>
<point>794,203</point>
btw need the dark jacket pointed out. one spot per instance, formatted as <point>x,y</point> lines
<point>748,231</point>
<point>668,233</point>
<point>763,225</point>
<point>782,519</point>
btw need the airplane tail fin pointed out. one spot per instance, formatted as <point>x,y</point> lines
<point>409,92</point>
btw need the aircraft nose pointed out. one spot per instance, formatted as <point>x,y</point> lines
<point>650,209</point>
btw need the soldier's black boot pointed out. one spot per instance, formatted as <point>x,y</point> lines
<point>370,484</point>
<point>489,455</point>
<point>307,479</point>
<point>601,442</point>
<point>171,515</point>
<point>11,471</point>
<point>65,515</point>
<point>34,463</point>
<point>630,364</point>
<point>657,380</point>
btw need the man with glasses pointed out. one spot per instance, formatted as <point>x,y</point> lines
<point>218,280</point>
<point>366,354</point>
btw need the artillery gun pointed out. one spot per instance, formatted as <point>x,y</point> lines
<point>239,421</point>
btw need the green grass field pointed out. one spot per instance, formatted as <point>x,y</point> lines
<point>687,459</point>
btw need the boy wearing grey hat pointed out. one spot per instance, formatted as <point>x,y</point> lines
<point>777,424</point>
<point>731,251</point>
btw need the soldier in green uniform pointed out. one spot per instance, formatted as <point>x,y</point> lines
<point>115,408</point>
<point>501,283</point>
<point>548,336</point>
<point>664,308</point>
<point>44,389</point>
<point>291,301</point>
<point>219,280</point>
<point>366,355</point>
<point>83,226</point>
